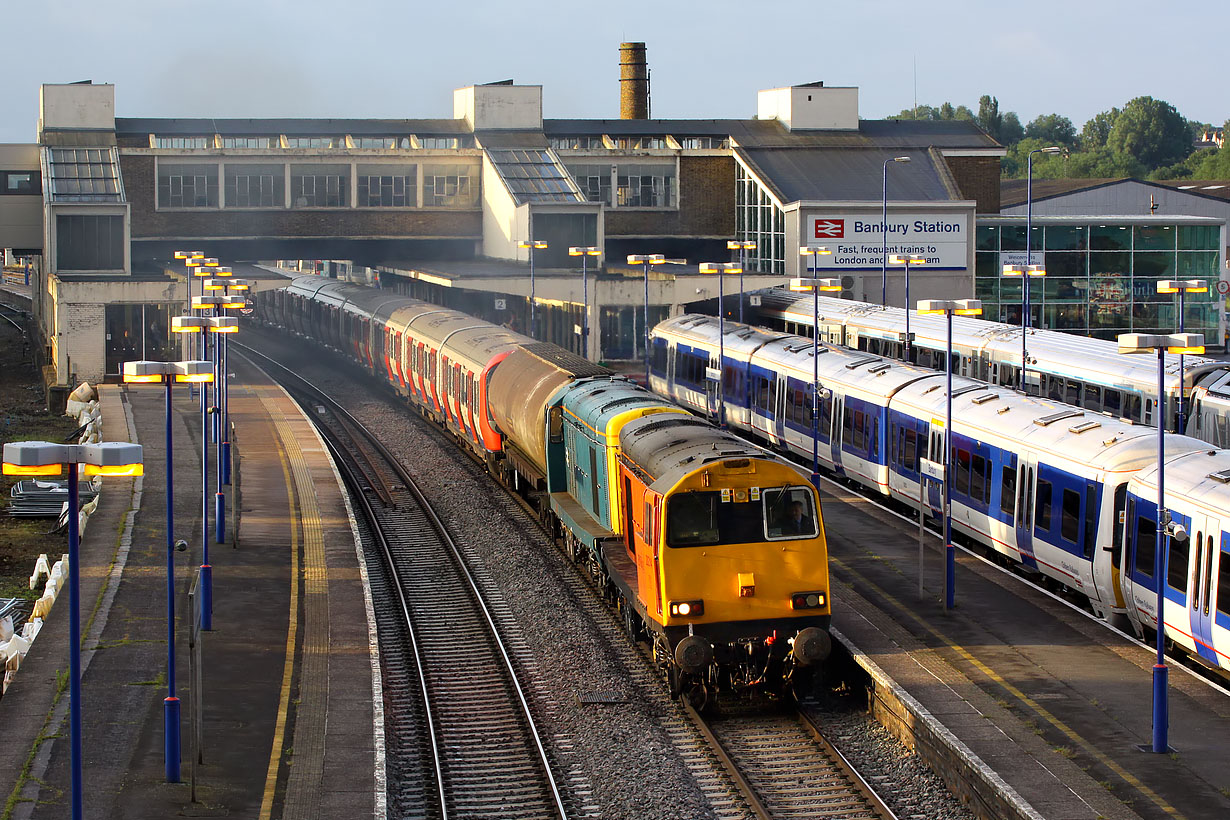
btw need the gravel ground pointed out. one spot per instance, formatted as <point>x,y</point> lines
<point>636,758</point>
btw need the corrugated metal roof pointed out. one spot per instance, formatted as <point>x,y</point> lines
<point>795,174</point>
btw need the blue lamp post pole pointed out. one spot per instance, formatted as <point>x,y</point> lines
<point>742,246</point>
<point>907,260</point>
<point>531,245</point>
<point>584,253</point>
<point>947,307</point>
<point>645,260</point>
<point>1181,288</point>
<point>721,269</point>
<point>1179,343</point>
<point>169,373</point>
<point>1027,273</point>
<point>47,458</point>
<point>815,286</point>
<point>884,232</point>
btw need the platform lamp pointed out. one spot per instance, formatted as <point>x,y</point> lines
<point>1182,287</point>
<point>532,245</point>
<point>233,290</point>
<point>206,324</point>
<point>168,373</point>
<point>722,269</point>
<point>215,326</point>
<point>645,260</point>
<point>44,458</point>
<point>205,268</point>
<point>742,246</point>
<point>1179,343</point>
<point>949,308</point>
<point>907,260</point>
<point>884,233</point>
<point>815,286</point>
<point>1027,273</point>
<point>190,259</point>
<point>584,253</point>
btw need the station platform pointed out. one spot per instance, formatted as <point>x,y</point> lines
<point>289,689</point>
<point>1044,708</point>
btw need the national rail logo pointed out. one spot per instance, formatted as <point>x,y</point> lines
<point>830,228</point>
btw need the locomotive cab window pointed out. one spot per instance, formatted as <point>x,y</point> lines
<point>699,519</point>
<point>789,513</point>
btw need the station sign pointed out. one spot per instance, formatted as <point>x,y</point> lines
<point>933,470</point>
<point>856,240</point>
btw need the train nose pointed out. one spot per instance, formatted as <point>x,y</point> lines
<point>811,646</point>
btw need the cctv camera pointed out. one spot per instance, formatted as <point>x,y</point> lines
<point>181,545</point>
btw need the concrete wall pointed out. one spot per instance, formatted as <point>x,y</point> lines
<point>810,107</point>
<point>21,216</point>
<point>501,227</point>
<point>77,107</point>
<point>499,106</point>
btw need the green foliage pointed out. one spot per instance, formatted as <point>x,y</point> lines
<point>1152,131</point>
<point>1053,129</point>
<point>1097,130</point>
<point>947,111</point>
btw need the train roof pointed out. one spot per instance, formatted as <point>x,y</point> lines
<point>669,446</point>
<point>862,372</point>
<point>596,402</point>
<point>1202,477</point>
<point>1061,353</point>
<point>740,340</point>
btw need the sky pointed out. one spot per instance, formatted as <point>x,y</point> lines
<point>384,59</point>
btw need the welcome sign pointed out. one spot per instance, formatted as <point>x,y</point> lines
<point>857,240</point>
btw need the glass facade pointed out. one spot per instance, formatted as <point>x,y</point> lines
<point>1101,277</point>
<point>758,219</point>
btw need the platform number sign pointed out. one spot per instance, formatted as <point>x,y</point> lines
<point>248,307</point>
<point>501,304</point>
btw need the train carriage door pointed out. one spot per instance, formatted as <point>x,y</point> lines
<point>712,385</point>
<point>935,452</point>
<point>1108,550</point>
<point>1204,549</point>
<point>836,423</point>
<point>1027,479</point>
<point>777,399</point>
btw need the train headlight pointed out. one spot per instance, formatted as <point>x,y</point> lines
<point>686,609</point>
<point>807,600</point>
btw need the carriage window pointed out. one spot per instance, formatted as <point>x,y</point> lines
<point>911,450</point>
<point>1146,546</point>
<point>1091,519</point>
<point>1069,516</point>
<point>1112,399</point>
<point>1176,568</point>
<point>1074,392</point>
<point>1007,491</point>
<point>1054,388</point>
<point>978,479</point>
<point>788,513</point>
<point>1131,407</point>
<point>1223,582</point>
<point>1093,397</point>
<point>1043,506</point>
<point>1195,586</point>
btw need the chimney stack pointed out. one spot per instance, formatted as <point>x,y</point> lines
<point>633,82</point>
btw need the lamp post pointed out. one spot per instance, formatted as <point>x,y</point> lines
<point>532,245</point>
<point>190,260</point>
<point>168,373</point>
<point>721,269</point>
<point>44,458</point>
<point>815,286</point>
<point>646,259</point>
<point>584,253</point>
<point>233,290</point>
<point>1174,343</point>
<point>907,260</point>
<point>742,246</point>
<point>1029,198</point>
<point>1026,273</point>
<point>948,307</point>
<point>1182,287</point>
<point>884,225</point>
<point>206,325</point>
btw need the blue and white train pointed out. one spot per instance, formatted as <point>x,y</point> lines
<point>1067,492</point>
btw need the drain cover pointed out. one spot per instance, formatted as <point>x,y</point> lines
<point>609,696</point>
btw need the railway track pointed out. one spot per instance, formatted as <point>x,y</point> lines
<point>463,740</point>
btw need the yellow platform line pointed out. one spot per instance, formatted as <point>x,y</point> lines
<point>288,667</point>
<point>1042,712</point>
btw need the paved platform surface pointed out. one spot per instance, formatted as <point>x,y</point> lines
<point>1050,703</point>
<point>287,685</point>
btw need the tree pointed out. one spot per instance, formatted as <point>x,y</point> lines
<point>1097,130</point>
<point>1103,163</point>
<point>1011,131</point>
<point>989,119</point>
<point>1152,131</point>
<point>947,111</point>
<point>1053,129</point>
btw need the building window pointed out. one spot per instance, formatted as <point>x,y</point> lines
<point>387,186</point>
<point>187,186</point>
<point>21,182</point>
<point>183,142</point>
<point>450,186</point>
<point>255,186</point>
<point>381,143</point>
<point>440,142</point>
<point>86,242</point>
<point>315,142</point>
<point>702,143</point>
<point>759,220</point>
<point>640,143</point>
<point>320,186</point>
<point>626,185</point>
<point>249,142</point>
